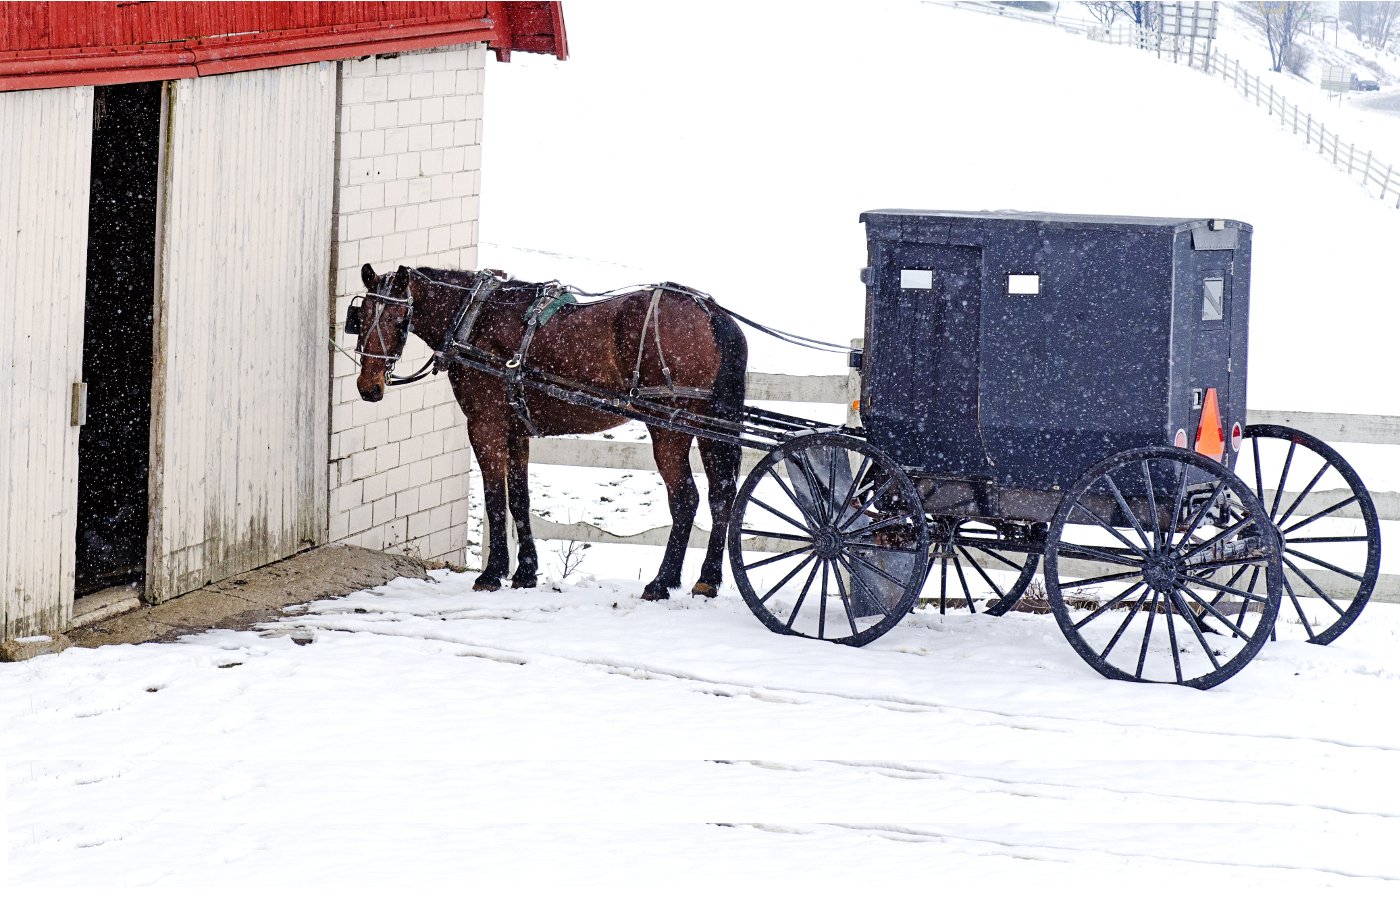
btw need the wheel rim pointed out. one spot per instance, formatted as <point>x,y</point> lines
<point>1328,525</point>
<point>1162,566</point>
<point>971,570</point>
<point>828,540</point>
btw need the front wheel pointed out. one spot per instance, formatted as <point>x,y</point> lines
<point>828,540</point>
<point>1161,565</point>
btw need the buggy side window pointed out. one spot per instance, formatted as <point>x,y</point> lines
<point>1213,300</point>
<point>916,279</point>
<point>1022,284</point>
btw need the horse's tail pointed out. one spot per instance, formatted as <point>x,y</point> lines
<point>727,395</point>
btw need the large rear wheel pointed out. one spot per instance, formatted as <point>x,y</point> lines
<point>1161,565</point>
<point>1328,529</point>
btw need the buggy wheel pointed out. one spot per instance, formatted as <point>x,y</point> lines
<point>973,567</point>
<point>1161,565</point>
<point>1328,529</point>
<point>828,540</point>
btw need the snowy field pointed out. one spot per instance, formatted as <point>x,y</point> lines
<point>573,736</point>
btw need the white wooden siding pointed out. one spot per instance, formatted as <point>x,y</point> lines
<point>239,430</point>
<point>45,154</point>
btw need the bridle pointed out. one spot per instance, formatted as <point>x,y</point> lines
<point>356,325</point>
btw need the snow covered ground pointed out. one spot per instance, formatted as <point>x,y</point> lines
<point>422,734</point>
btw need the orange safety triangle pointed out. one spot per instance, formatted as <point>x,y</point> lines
<point>1210,434</point>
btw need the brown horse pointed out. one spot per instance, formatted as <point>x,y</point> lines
<point>658,340</point>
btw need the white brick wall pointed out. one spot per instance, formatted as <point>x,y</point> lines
<point>409,182</point>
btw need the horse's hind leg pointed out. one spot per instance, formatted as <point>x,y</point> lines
<point>722,471</point>
<point>671,450</point>
<point>518,492</point>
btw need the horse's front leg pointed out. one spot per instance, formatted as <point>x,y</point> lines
<point>722,471</point>
<point>491,458</point>
<point>671,451</point>
<point>518,491</point>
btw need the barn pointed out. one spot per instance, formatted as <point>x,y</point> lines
<point>187,192</point>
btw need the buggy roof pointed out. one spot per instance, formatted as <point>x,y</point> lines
<point>897,216</point>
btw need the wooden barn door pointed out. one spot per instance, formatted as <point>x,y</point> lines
<point>239,417</point>
<point>45,145</point>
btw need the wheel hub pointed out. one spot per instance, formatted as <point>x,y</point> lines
<point>827,542</point>
<point>1162,573</point>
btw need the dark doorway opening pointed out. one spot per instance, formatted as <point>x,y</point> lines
<point>114,444</point>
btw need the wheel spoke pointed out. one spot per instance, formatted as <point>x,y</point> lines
<point>1303,495</point>
<point>883,549</point>
<point>1152,506</point>
<point>1259,472</point>
<point>1171,637</point>
<point>809,527</point>
<point>1323,563</point>
<point>1147,633</point>
<point>1206,607</point>
<point>873,527</point>
<point>776,535</point>
<point>855,483</point>
<point>962,579</point>
<point>1102,554</point>
<point>802,597</point>
<point>786,578</point>
<point>1298,606</point>
<point>1225,535</point>
<point>1099,579</point>
<point>1312,584</point>
<point>1107,606</point>
<point>878,571</point>
<point>779,558</point>
<point>1123,626</point>
<point>1179,501</point>
<point>821,615</point>
<point>1283,479</point>
<point>1190,618</point>
<point>868,592</point>
<point>1200,515</point>
<point>813,485</point>
<point>1326,512</point>
<point>845,600</point>
<point>869,501</point>
<point>1110,529</point>
<point>967,554</point>
<point>1127,512</point>
<point>1341,539</point>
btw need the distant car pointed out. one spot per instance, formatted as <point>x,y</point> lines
<point>1364,84</point>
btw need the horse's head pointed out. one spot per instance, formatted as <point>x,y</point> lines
<point>382,322</point>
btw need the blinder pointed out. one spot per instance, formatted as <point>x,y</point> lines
<point>352,318</point>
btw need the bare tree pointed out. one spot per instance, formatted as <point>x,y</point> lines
<point>1282,24</point>
<point>1103,13</point>
<point>1374,23</point>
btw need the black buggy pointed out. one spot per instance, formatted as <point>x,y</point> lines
<point>1066,393</point>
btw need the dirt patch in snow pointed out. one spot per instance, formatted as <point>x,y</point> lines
<point>258,596</point>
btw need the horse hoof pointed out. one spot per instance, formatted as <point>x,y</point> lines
<point>655,592</point>
<point>486,583</point>
<point>702,589</point>
<point>523,582</point>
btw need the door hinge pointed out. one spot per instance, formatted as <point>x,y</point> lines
<point>79,411</point>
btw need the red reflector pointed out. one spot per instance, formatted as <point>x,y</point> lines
<point>1236,436</point>
<point>1210,434</point>
<point>1180,438</point>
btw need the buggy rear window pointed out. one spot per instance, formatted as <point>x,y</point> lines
<point>1213,300</point>
<point>1023,284</point>
<point>916,279</point>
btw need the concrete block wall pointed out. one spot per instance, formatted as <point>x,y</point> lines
<point>409,158</point>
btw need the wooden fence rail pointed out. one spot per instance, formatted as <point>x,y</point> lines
<point>841,390</point>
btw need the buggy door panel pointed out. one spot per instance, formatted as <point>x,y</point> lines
<point>1206,306</point>
<point>920,378</point>
<point>239,418</point>
<point>44,223</point>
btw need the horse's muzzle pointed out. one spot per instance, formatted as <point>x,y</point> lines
<point>371,389</point>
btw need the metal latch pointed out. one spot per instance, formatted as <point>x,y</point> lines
<point>79,409</point>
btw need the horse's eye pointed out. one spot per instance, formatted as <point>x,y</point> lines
<point>352,320</point>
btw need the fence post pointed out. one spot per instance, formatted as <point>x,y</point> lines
<point>1295,120</point>
<point>1351,155</point>
<point>853,388</point>
<point>1366,175</point>
<point>1385,185</point>
<point>1309,137</point>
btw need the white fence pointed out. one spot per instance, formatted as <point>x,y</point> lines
<point>1358,162</point>
<point>842,391</point>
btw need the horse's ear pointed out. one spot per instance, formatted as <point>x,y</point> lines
<point>400,282</point>
<point>367,275</point>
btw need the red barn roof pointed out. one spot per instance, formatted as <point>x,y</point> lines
<point>63,44</point>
